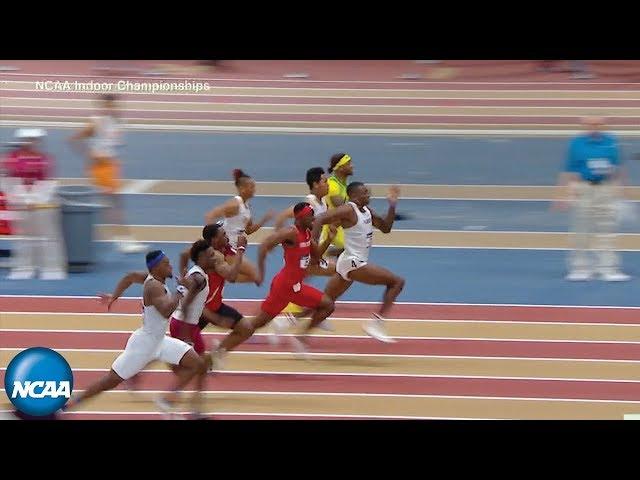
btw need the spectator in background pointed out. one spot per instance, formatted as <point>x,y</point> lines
<point>31,194</point>
<point>578,68</point>
<point>592,181</point>
<point>104,134</point>
<point>580,71</point>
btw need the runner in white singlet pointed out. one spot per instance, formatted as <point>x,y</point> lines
<point>236,213</point>
<point>149,342</point>
<point>358,221</point>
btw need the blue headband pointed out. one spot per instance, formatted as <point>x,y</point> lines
<point>155,261</point>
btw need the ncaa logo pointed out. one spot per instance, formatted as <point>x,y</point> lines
<point>38,381</point>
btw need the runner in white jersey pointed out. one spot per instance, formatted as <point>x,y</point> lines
<point>318,189</point>
<point>358,221</point>
<point>104,136</point>
<point>149,342</point>
<point>107,136</point>
<point>203,301</point>
<point>184,321</point>
<point>237,218</point>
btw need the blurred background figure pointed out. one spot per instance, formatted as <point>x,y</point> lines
<point>592,181</point>
<point>31,196</point>
<point>104,135</point>
<point>578,68</point>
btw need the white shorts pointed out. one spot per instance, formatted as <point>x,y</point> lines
<point>346,264</point>
<point>143,349</point>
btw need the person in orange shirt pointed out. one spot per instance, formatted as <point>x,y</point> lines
<point>104,133</point>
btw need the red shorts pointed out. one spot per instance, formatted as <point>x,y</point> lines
<point>188,333</point>
<point>281,294</point>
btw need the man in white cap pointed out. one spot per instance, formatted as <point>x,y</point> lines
<point>592,181</point>
<point>31,194</point>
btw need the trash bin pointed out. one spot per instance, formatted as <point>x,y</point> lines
<point>79,207</point>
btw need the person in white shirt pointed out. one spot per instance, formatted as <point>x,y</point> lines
<point>31,195</point>
<point>236,213</point>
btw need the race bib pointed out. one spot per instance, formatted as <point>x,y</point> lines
<point>323,263</point>
<point>599,166</point>
<point>369,239</point>
<point>304,261</point>
<point>297,287</point>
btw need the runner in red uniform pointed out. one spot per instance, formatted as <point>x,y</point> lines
<point>287,286</point>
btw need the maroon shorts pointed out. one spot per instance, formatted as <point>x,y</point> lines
<point>188,333</point>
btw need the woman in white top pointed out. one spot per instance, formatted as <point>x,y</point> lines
<point>358,221</point>
<point>237,217</point>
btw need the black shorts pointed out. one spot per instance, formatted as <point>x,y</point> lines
<point>223,311</point>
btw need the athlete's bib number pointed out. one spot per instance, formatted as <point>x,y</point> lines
<point>369,239</point>
<point>304,261</point>
<point>297,287</point>
<point>599,166</point>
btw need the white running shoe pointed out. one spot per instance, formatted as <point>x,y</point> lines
<point>615,277</point>
<point>579,276</point>
<point>217,356</point>
<point>53,275</point>
<point>132,386</point>
<point>299,347</point>
<point>279,326</point>
<point>21,274</point>
<point>165,407</point>
<point>326,325</point>
<point>375,328</point>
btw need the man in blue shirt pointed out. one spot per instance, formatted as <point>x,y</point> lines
<point>592,181</point>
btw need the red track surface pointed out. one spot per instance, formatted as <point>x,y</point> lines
<point>617,71</point>
<point>445,386</point>
<point>364,383</point>
<point>449,347</point>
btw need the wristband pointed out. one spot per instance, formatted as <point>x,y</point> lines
<point>182,290</point>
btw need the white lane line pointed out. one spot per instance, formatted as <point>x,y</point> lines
<point>375,395</point>
<point>222,91</point>
<point>373,356</point>
<point>368,302</point>
<point>152,79</point>
<point>50,103</point>
<point>257,414</point>
<point>328,113</point>
<point>355,319</point>
<point>363,337</point>
<point>391,375</point>
<point>469,132</point>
